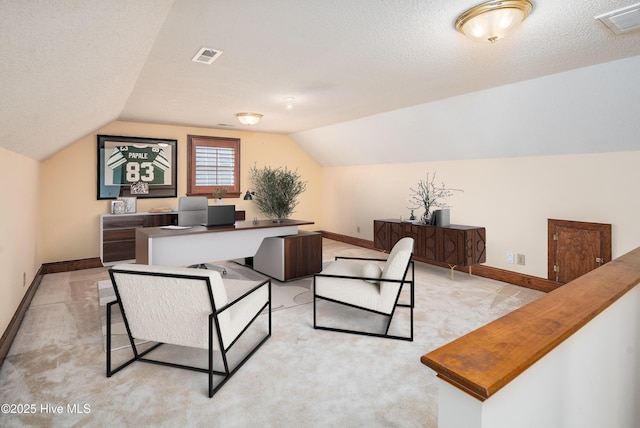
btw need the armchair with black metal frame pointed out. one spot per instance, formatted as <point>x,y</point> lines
<point>351,282</point>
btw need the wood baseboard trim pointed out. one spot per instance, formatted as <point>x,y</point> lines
<point>71,265</point>
<point>348,239</point>
<point>12,329</point>
<point>515,278</point>
<point>14,325</point>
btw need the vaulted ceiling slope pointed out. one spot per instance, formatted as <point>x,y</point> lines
<point>69,68</point>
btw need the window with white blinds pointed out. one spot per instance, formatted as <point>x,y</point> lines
<point>215,166</point>
<point>213,163</point>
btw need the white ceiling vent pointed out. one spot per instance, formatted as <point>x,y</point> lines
<point>622,20</point>
<point>206,55</point>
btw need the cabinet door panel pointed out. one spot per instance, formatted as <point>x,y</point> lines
<point>430,242</point>
<point>475,247</point>
<point>452,246</point>
<point>119,235</point>
<point>303,255</point>
<point>115,221</point>
<point>119,250</point>
<point>381,235</point>
<point>396,234</point>
<point>415,232</point>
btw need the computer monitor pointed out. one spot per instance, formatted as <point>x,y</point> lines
<point>220,215</point>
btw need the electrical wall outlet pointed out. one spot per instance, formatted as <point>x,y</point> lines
<point>511,258</point>
<point>358,229</point>
<point>520,259</point>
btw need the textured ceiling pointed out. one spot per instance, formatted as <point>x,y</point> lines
<point>69,67</point>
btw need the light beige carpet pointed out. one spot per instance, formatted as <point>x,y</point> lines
<point>300,377</point>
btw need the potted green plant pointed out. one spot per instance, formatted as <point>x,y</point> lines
<point>276,190</point>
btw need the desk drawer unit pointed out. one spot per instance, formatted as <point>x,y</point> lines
<point>118,233</point>
<point>290,257</point>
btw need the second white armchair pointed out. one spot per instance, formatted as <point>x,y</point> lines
<point>365,284</point>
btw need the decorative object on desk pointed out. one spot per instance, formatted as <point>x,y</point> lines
<point>129,204</point>
<point>219,194</point>
<point>277,190</point>
<point>140,188</point>
<point>429,196</point>
<point>413,216</point>
<point>125,161</point>
<point>117,207</point>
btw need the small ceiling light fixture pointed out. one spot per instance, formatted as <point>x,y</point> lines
<point>493,20</point>
<point>249,118</point>
<point>289,101</point>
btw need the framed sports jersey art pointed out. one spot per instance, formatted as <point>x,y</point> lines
<point>135,166</point>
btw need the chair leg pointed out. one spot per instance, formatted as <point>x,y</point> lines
<point>220,269</point>
<point>111,371</point>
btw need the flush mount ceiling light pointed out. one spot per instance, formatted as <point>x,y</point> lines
<point>289,102</point>
<point>491,21</point>
<point>249,118</point>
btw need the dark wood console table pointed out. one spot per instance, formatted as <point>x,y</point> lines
<point>454,245</point>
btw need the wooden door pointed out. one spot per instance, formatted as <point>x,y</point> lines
<point>576,248</point>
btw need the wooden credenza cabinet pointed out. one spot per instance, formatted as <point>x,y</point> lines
<point>118,233</point>
<point>454,245</point>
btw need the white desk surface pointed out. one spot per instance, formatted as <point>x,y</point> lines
<point>200,244</point>
<point>157,232</point>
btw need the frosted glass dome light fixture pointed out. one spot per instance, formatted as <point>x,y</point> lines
<point>249,118</point>
<point>491,21</point>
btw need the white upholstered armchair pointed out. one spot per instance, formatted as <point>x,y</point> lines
<point>363,284</point>
<point>189,308</point>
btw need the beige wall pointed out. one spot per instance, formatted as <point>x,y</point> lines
<point>512,198</point>
<point>19,230</point>
<point>71,212</point>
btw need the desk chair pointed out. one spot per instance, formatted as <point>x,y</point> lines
<point>192,211</point>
